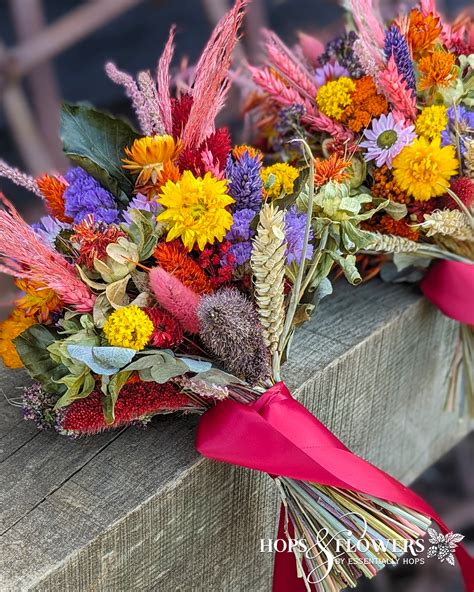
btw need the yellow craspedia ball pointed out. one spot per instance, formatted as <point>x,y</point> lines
<point>129,327</point>
<point>431,121</point>
<point>279,178</point>
<point>334,96</point>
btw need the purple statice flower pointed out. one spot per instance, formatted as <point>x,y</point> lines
<point>330,71</point>
<point>342,49</point>
<point>396,44</point>
<point>240,235</point>
<point>37,406</point>
<point>140,202</point>
<point>461,119</point>
<point>84,195</point>
<point>48,229</point>
<point>244,182</point>
<point>295,223</point>
<point>385,139</point>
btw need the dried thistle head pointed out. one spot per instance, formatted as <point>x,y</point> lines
<point>230,329</point>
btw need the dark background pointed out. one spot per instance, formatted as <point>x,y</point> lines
<point>134,42</point>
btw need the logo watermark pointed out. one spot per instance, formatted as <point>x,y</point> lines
<point>330,549</point>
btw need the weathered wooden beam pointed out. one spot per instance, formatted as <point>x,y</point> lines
<point>140,510</point>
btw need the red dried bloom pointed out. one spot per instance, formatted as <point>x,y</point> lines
<point>418,209</point>
<point>94,239</point>
<point>180,109</point>
<point>218,144</point>
<point>168,332</point>
<point>136,401</point>
<point>174,258</point>
<point>463,187</point>
<point>52,190</point>
<point>218,263</point>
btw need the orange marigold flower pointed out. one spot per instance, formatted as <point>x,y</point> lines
<point>239,151</point>
<point>38,302</point>
<point>365,105</point>
<point>385,187</point>
<point>423,31</point>
<point>174,258</point>
<point>52,190</point>
<point>16,323</point>
<point>93,239</point>
<point>436,69</point>
<point>331,169</point>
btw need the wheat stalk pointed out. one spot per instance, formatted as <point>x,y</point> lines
<point>268,267</point>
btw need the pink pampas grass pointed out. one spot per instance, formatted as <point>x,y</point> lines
<point>179,300</point>
<point>210,82</point>
<point>394,87</point>
<point>23,255</point>
<point>163,83</point>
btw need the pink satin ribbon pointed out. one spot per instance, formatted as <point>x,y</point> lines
<point>279,436</point>
<point>450,287</point>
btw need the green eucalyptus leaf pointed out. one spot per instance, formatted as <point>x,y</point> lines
<point>117,293</point>
<point>77,387</point>
<point>95,141</point>
<point>91,283</point>
<point>101,311</point>
<point>32,346</point>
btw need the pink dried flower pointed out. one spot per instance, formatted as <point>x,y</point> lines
<point>179,300</point>
<point>210,85</point>
<point>19,178</point>
<point>163,83</point>
<point>311,48</point>
<point>395,89</point>
<point>24,255</point>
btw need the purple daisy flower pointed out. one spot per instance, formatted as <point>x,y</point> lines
<point>84,195</point>
<point>330,71</point>
<point>465,126</point>
<point>48,229</point>
<point>385,139</point>
<point>140,202</point>
<point>295,223</point>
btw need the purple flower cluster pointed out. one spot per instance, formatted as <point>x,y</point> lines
<point>396,44</point>
<point>245,182</point>
<point>295,223</point>
<point>140,202</point>
<point>341,49</point>
<point>37,406</point>
<point>84,196</point>
<point>240,235</point>
<point>461,119</point>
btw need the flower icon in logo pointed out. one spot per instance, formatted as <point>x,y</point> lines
<point>442,546</point>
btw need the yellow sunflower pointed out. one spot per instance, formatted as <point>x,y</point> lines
<point>147,157</point>
<point>423,169</point>
<point>195,209</point>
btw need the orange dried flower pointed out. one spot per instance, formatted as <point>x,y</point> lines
<point>385,187</point>
<point>398,227</point>
<point>423,31</point>
<point>170,172</point>
<point>174,258</point>
<point>38,302</point>
<point>332,169</point>
<point>239,151</point>
<point>52,190</point>
<point>365,105</point>
<point>436,70</point>
<point>94,238</point>
<point>16,323</point>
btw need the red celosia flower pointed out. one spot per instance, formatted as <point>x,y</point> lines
<point>218,263</point>
<point>418,209</point>
<point>168,332</point>
<point>218,144</point>
<point>137,400</point>
<point>463,187</point>
<point>174,258</point>
<point>180,109</point>
<point>52,190</point>
<point>94,239</point>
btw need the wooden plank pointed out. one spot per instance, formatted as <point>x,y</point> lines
<point>141,510</point>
